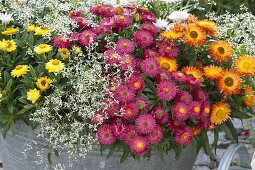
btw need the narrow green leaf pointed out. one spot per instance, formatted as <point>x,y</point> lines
<point>206,144</point>
<point>10,107</point>
<point>50,158</point>
<point>13,127</point>
<point>8,86</point>
<point>216,139</point>
<point>112,150</point>
<point>160,152</point>
<point>230,130</point>
<point>56,152</point>
<point>5,130</point>
<point>32,71</point>
<point>125,153</point>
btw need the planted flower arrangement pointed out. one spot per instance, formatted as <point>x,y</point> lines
<point>120,76</point>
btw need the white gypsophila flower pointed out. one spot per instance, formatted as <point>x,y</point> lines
<point>170,1</point>
<point>6,18</point>
<point>179,16</point>
<point>161,23</point>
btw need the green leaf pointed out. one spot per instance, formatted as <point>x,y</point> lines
<point>238,114</point>
<point>230,130</point>
<point>160,152</point>
<point>125,153</point>
<point>56,152</point>
<point>216,139</point>
<point>10,107</point>
<point>112,150</point>
<point>50,158</point>
<point>28,106</point>
<point>8,86</point>
<point>13,127</point>
<point>5,130</point>
<point>32,72</point>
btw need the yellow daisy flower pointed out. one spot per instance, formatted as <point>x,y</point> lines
<point>31,28</point>
<point>220,113</point>
<point>20,70</point>
<point>171,35</point>
<point>209,27</point>
<point>54,66</point>
<point>64,53</point>
<point>42,48</point>
<point>221,51</point>
<point>167,64</point>
<point>194,36</point>
<point>245,65</point>
<point>43,83</point>
<point>212,72</point>
<point>33,95</point>
<point>8,45</point>
<point>10,31</point>
<point>249,99</point>
<point>41,31</point>
<point>229,83</point>
<point>77,50</point>
<point>194,71</point>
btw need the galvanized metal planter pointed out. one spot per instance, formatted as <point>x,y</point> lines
<point>13,159</point>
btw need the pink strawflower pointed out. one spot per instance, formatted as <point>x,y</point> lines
<point>107,11</point>
<point>111,57</point>
<point>184,136</point>
<point>127,62</point>
<point>180,77</point>
<point>166,90</point>
<point>205,110</point>
<point>160,114</point>
<point>119,130</point>
<point>150,67</point>
<point>142,103</point>
<point>180,111</point>
<point>87,37</point>
<point>148,17</point>
<point>110,107</point>
<point>168,50</point>
<point>101,29</point>
<point>148,53</point>
<point>105,135</point>
<point>141,10</point>
<point>204,123</point>
<point>75,36</point>
<point>97,9</point>
<point>129,111</point>
<point>130,134</point>
<point>62,41</point>
<point>81,22</point>
<point>175,125</point>
<point>151,28</point>
<point>143,38</point>
<point>136,83</point>
<point>98,118</point>
<point>145,123</point>
<point>124,94</point>
<point>117,120</point>
<point>139,146</point>
<point>108,22</point>
<point>195,109</point>
<point>183,96</point>
<point>193,82</point>
<point>163,75</point>
<point>200,95</point>
<point>125,46</point>
<point>74,13</point>
<point>155,135</point>
<point>122,21</point>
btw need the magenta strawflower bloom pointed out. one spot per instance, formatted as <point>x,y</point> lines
<point>125,46</point>
<point>168,50</point>
<point>195,109</point>
<point>160,114</point>
<point>148,53</point>
<point>142,103</point>
<point>183,96</point>
<point>75,36</point>
<point>87,37</point>
<point>148,17</point>
<point>110,107</point>
<point>180,77</point>
<point>151,28</point>
<point>145,123</point>
<point>82,22</point>
<point>117,120</point>
<point>97,9</point>
<point>143,38</point>
<point>74,13</point>
<point>193,82</point>
<point>204,123</point>
<point>205,110</point>
<point>139,146</point>
<point>180,111</point>
<point>155,135</point>
<point>166,90</point>
<point>101,29</point>
<point>119,130</point>
<point>184,136</point>
<point>200,95</point>
<point>108,22</point>
<point>62,41</point>
<point>127,62</point>
<point>105,135</point>
<point>136,83</point>
<point>129,111</point>
<point>150,67</point>
<point>163,75</point>
<point>107,11</point>
<point>122,21</point>
<point>124,94</point>
<point>175,125</point>
<point>130,134</point>
<point>111,57</point>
